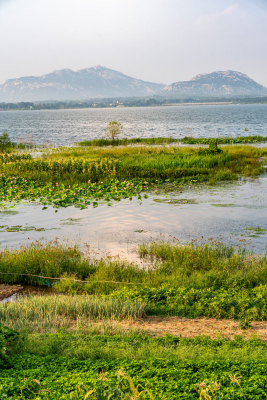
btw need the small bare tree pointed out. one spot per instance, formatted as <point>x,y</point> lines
<point>114,129</point>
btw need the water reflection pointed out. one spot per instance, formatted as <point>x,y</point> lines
<point>228,213</point>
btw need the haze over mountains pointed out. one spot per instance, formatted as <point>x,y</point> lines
<point>102,82</point>
<point>218,84</point>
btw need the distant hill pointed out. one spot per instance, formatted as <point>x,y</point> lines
<point>65,84</point>
<point>217,84</point>
<point>102,82</point>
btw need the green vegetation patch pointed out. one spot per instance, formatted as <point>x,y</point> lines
<point>83,176</point>
<point>190,280</point>
<point>164,379</point>
<point>168,140</point>
<point>126,141</point>
<point>223,205</point>
<point>256,230</point>
<point>61,195</point>
<point>62,365</point>
<point>226,140</point>
<point>20,228</point>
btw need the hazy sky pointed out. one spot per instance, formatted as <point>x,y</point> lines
<point>157,40</point>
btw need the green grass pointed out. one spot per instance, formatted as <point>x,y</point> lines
<point>227,140</point>
<point>191,281</point>
<point>167,140</point>
<point>126,141</point>
<point>51,259</point>
<point>86,344</point>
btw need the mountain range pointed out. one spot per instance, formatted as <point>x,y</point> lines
<point>102,82</point>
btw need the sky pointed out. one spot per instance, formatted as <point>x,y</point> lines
<point>155,40</point>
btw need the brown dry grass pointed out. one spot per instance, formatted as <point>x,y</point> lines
<point>185,327</point>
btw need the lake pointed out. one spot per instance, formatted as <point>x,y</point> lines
<point>65,127</point>
<point>230,213</point>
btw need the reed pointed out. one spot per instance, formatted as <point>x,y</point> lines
<point>39,313</point>
<point>207,280</point>
<point>194,265</point>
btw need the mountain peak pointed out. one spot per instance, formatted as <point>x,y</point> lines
<point>66,84</point>
<point>218,84</point>
<point>99,67</point>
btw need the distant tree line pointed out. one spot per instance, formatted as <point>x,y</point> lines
<point>126,102</point>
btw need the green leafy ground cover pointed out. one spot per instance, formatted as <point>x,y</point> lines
<point>65,365</point>
<point>164,379</point>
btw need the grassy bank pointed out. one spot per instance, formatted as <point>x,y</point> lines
<point>126,141</point>
<point>190,281</point>
<point>75,345</point>
<point>83,176</point>
<point>168,140</point>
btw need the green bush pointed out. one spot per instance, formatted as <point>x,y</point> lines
<point>5,142</point>
<point>7,337</point>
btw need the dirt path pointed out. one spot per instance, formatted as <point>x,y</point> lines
<point>184,327</point>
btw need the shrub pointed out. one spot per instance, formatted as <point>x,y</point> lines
<point>5,142</point>
<point>7,336</point>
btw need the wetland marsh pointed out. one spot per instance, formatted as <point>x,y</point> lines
<point>129,240</point>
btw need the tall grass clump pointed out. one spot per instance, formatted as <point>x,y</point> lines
<point>49,260</point>
<point>206,265</point>
<point>191,280</point>
<point>57,311</point>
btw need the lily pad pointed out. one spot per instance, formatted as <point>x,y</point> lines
<point>255,230</point>
<point>20,228</point>
<point>176,201</point>
<point>8,212</point>
<point>223,205</point>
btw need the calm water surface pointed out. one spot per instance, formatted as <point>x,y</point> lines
<point>64,127</point>
<point>227,213</point>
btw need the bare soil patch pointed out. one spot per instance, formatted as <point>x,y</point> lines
<point>9,290</point>
<point>185,327</point>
